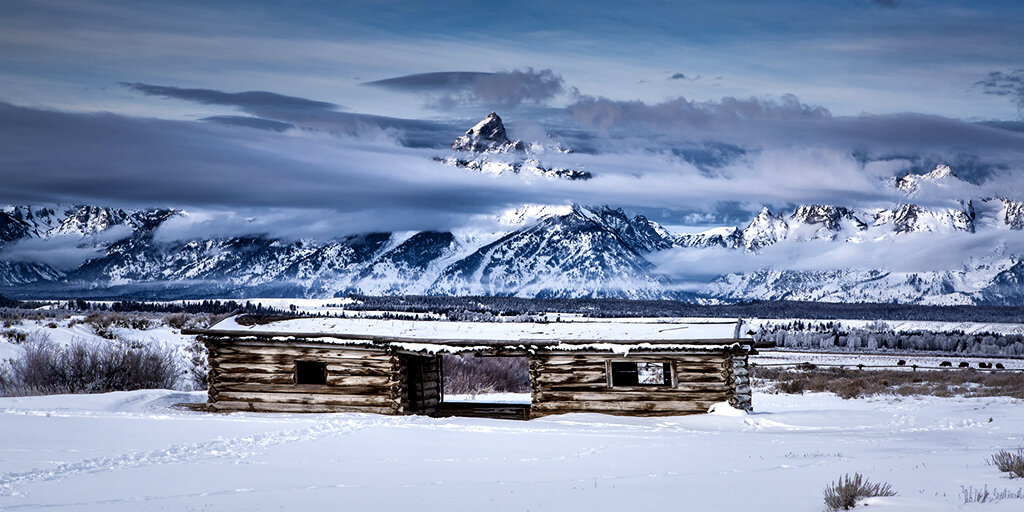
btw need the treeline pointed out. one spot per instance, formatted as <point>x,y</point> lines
<point>878,337</point>
<point>211,307</point>
<point>613,308</point>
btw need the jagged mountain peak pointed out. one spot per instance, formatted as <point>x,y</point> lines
<point>488,135</point>
<point>828,216</point>
<point>493,153</point>
<point>910,183</point>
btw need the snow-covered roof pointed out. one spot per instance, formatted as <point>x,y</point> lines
<point>610,335</point>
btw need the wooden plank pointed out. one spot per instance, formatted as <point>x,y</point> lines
<point>290,358</point>
<point>304,389</point>
<point>222,368</point>
<point>589,397</point>
<point>255,378</point>
<point>241,406</point>
<point>683,387</point>
<point>300,352</point>
<point>303,398</point>
<point>628,409</point>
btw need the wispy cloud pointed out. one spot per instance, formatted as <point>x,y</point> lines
<point>1010,84</point>
<point>503,89</point>
<point>604,113</point>
<point>249,101</point>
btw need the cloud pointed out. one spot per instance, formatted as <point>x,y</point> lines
<point>432,81</point>
<point>603,113</point>
<point>1005,84</point>
<point>249,101</point>
<point>349,173</point>
<point>503,89</point>
<point>735,126</point>
<point>911,252</point>
<point>62,252</point>
<point>277,112</point>
<point>683,76</point>
<point>250,122</point>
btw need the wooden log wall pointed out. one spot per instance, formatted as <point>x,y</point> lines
<point>568,383</point>
<point>253,375</point>
<point>421,383</point>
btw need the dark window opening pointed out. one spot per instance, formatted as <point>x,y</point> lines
<point>641,374</point>
<point>310,372</point>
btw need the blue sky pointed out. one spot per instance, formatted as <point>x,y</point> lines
<point>812,101</point>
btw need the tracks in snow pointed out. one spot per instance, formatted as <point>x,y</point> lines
<point>236,447</point>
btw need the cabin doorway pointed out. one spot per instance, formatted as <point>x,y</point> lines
<point>485,386</point>
<point>421,383</point>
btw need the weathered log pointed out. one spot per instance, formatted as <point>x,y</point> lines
<point>242,406</point>
<point>303,398</point>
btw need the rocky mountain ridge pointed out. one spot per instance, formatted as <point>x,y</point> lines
<point>486,148</point>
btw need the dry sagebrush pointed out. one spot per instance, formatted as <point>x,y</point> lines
<point>844,493</point>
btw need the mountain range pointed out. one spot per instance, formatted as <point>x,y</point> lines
<point>540,251</point>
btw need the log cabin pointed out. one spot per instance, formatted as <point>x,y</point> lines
<point>632,367</point>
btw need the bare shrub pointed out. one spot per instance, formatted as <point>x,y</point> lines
<point>15,336</point>
<point>47,368</point>
<point>844,493</point>
<point>472,375</point>
<point>849,383</point>
<point>1010,462</point>
<point>189,320</point>
<point>199,367</point>
<point>104,322</point>
<point>972,495</point>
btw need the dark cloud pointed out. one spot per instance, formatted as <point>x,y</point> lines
<point>432,81</point>
<point>603,113</point>
<point>683,76</point>
<point>276,112</point>
<point>250,122</point>
<point>249,101</point>
<point>734,126</point>
<point>503,89</point>
<point>1005,84</point>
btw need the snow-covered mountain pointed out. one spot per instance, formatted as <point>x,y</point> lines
<point>539,250</point>
<point>992,278</point>
<point>486,148</point>
<point>573,251</point>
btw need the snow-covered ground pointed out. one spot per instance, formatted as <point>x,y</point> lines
<point>132,451</point>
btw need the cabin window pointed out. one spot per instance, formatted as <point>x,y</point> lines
<point>641,374</point>
<point>310,372</point>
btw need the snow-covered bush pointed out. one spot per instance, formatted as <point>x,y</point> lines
<point>197,365</point>
<point>1010,462</point>
<point>47,368</point>
<point>844,493</point>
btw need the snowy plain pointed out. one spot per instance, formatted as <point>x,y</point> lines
<point>135,451</point>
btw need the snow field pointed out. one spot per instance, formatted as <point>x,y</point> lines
<point>133,451</point>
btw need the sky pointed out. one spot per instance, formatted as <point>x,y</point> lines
<point>324,118</point>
